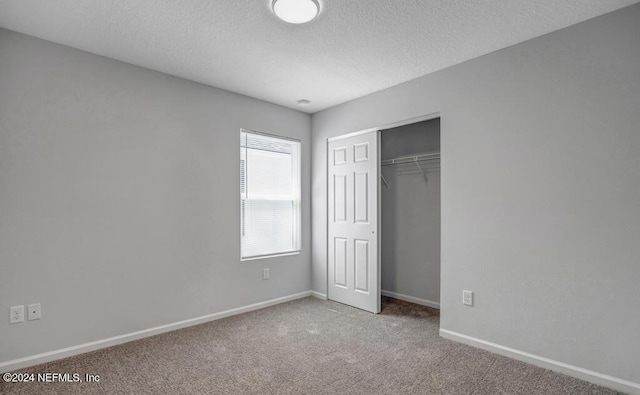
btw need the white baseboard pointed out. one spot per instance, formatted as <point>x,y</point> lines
<point>319,295</point>
<point>546,363</point>
<point>38,359</point>
<point>407,298</point>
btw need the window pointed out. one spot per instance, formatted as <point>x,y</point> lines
<point>269,195</point>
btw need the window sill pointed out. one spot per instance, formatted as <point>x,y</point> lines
<point>279,254</point>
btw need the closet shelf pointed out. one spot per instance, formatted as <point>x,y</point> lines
<point>411,159</point>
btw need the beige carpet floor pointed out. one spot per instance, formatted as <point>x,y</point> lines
<point>306,346</point>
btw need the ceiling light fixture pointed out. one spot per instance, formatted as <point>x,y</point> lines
<point>303,102</point>
<point>296,11</point>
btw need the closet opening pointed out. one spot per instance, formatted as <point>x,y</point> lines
<point>410,212</point>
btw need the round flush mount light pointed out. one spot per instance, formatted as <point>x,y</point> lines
<point>303,102</point>
<point>296,11</point>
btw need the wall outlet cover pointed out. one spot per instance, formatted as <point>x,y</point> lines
<point>33,312</point>
<point>16,314</point>
<point>467,298</point>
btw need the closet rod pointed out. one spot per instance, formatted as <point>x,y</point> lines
<point>411,158</point>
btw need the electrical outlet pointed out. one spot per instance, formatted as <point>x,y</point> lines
<point>265,274</point>
<point>33,312</point>
<point>467,298</point>
<point>16,314</point>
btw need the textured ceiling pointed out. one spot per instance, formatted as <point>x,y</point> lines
<point>353,48</point>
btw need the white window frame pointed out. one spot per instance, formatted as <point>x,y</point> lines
<point>296,197</point>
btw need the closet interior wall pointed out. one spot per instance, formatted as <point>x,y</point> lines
<point>410,214</point>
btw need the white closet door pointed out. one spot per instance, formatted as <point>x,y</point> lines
<point>353,247</point>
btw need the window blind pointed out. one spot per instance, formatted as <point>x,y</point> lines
<point>270,195</point>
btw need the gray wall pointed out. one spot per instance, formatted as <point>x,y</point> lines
<point>119,204</point>
<point>540,191</point>
<point>410,232</point>
<point>414,138</point>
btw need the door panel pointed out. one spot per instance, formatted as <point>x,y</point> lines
<point>354,264</point>
<point>340,198</point>
<point>340,262</point>
<point>340,156</point>
<point>361,200</point>
<point>362,265</point>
